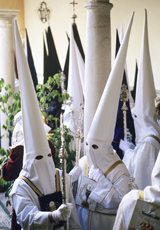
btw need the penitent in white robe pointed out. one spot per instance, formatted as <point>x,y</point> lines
<point>141,160</point>
<point>126,208</point>
<point>96,215</point>
<point>105,196</point>
<point>26,205</point>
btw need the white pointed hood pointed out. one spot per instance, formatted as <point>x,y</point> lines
<point>75,86</point>
<point>17,135</point>
<point>144,109</point>
<point>101,132</point>
<point>38,164</point>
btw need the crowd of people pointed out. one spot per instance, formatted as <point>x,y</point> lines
<point>103,190</point>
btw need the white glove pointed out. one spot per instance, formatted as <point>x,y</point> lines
<point>125,145</point>
<point>95,173</point>
<point>62,213</point>
<point>75,173</point>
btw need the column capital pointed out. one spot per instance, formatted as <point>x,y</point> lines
<point>6,16</point>
<point>97,3</point>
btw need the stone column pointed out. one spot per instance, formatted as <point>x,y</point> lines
<point>97,57</point>
<point>6,60</point>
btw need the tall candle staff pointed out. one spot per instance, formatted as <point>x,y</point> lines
<point>62,153</point>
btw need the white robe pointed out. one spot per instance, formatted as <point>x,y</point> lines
<point>26,205</point>
<point>128,203</point>
<point>125,210</point>
<point>93,220</point>
<point>103,200</point>
<point>141,160</point>
<point>97,216</point>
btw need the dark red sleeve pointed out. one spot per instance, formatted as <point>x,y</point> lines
<point>13,166</point>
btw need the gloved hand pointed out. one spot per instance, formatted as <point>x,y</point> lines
<point>62,213</point>
<point>125,145</point>
<point>95,173</point>
<point>75,173</point>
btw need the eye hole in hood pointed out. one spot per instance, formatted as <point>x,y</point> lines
<point>95,146</point>
<point>39,157</point>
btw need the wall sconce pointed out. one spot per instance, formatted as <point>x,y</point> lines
<point>44,12</point>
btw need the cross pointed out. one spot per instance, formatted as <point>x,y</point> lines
<point>74,16</point>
